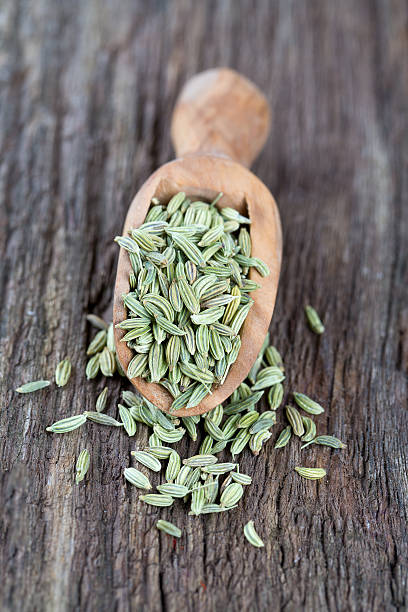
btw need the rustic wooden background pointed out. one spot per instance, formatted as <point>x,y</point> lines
<point>87,89</point>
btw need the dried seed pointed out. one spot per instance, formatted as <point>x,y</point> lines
<point>102,399</point>
<point>248,419</point>
<point>136,366</point>
<point>174,490</point>
<point>33,386</point>
<point>173,466</point>
<point>160,452</point>
<point>146,459</point>
<point>98,343</point>
<point>96,321</point>
<point>326,441</point>
<point>310,429</point>
<point>275,396</point>
<point>183,475</point>
<point>92,367</point>
<point>168,528</point>
<point>157,499</point>
<point>231,495</point>
<point>197,501</point>
<point>268,377</point>
<point>307,404</point>
<point>273,358</point>
<point>265,421</point>
<point>128,422</point>
<point>251,535</point>
<point>314,321</point>
<point>240,442</point>
<point>284,437</point>
<point>243,479</point>
<point>295,420</point>
<point>68,424</point>
<point>63,372</point>
<point>107,362</point>
<point>219,468</point>
<point>82,465</point>
<point>169,436</point>
<point>136,478</point>
<point>257,440</point>
<point>101,419</point>
<point>311,473</point>
<point>200,460</point>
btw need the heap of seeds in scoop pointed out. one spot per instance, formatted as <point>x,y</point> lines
<point>190,295</point>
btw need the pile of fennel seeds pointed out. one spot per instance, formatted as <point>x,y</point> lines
<point>190,295</point>
<point>205,482</point>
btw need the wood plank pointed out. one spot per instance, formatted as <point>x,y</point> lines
<point>86,100</point>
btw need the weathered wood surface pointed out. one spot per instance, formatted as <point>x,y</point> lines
<point>87,90</point>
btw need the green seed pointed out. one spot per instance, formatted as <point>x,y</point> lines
<point>257,440</point>
<point>63,372</point>
<point>68,424</point>
<point>146,459</point>
<point>295,420</point>
<point>307,404</point>
<point>251,535</point>
<point>168,528</point>
<point>160,452</point>
<point>96,321</point>
<point>241,440</point>
<point>107,362</point>
<point>284,437</point>
<point>273,358</point>
<point>183,475</point>
<point>157,499</point>
<point>310,429</point>
<point>200,460</point>
<point>33,386</point>
<point>231,495</point>
<point>101,419</point>
<point>169,436</point>
<point>102,399</point>
<point>268,377</point>
<point>128,422</point>
<point>275,396</point>
<point>174,490</point>
<point>243,479</point>
<point>314,321</point>
<point>98,343</point>
<point>92,367</point>
<point>219,468</point>
<point>248,419</point>
<point>258,361</point>
<point>173,466</point>
<point>82,465</point>
<point>311,473</point>
<point>136,478</point>
<point>326,441</point>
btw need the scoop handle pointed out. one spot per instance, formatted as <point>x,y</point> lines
<point>220,112</point>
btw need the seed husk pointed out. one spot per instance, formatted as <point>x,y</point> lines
<point>35,385</point>
<point>82,465</point>
<point>68,424</point>
<point>63,372</point>
<point>251,535</point>
<point>168,528</point>
<point>137,478</point>
<point>313,319</point>
<point>311,473</point>
<point>307,404</point>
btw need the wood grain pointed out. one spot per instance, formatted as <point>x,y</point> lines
<point>87,90</point>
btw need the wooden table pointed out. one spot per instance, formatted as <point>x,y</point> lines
<point>87,90</point>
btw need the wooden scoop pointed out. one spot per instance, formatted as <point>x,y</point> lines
<point>219,125</point>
